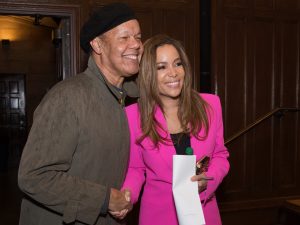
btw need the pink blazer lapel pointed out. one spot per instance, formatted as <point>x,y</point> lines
<point>198,147</point>
<point>166,151</point>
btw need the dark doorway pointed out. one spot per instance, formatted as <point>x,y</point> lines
<point>13,122</point>
<point>13,135</point>
<point>67,61</point>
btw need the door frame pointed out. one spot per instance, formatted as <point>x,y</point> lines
<point>72,13</point>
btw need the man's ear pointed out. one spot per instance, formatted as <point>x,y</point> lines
<point>96,44</point>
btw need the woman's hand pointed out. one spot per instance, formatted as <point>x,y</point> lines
<point>120,214</point>
<point>202,180</point>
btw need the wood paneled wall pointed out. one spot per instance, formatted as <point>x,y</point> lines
<point>255,67</point>
<point>255,63</point>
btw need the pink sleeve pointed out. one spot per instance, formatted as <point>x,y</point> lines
<point>135,176</point>
<point>219,165</point>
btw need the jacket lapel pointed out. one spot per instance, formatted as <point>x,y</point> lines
<point>166,151</point>
<point>199,147</point>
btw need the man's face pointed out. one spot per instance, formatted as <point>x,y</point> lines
<point>122,49</point>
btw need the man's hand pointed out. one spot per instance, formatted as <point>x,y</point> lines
<point>122,213</point>
<point>119,200</point>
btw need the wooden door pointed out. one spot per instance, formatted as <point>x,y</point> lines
<point>13,132</point>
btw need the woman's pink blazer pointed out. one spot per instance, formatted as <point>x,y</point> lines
<point>152,167</point>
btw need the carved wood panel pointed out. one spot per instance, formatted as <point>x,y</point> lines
<point>235,3</point>
<point>235,40</point>
<point>288,177</point>
<point>290,5</point>
<point>264,4</point>
<point>256,69</point>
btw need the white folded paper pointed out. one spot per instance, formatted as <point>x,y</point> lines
<point>185,192</point>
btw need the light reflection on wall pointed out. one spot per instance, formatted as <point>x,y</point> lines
<point>8,34</point>
<point>11,29</point>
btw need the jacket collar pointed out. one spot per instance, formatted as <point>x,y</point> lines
<point>167,151</point>
<point>129,85</point>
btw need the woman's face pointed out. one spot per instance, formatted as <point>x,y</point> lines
<point>170,72</point>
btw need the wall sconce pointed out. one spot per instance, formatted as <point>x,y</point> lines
<point>5,43</point>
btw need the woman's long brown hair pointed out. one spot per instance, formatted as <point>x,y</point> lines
<point>192,112</point>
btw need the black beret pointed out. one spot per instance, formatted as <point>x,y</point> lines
<point>102,20</point>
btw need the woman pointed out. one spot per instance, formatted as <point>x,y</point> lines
<point>169,117</point>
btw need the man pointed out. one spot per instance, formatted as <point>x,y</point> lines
<point>76,155</point>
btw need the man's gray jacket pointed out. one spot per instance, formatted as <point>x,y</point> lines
<point>77,149</point>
